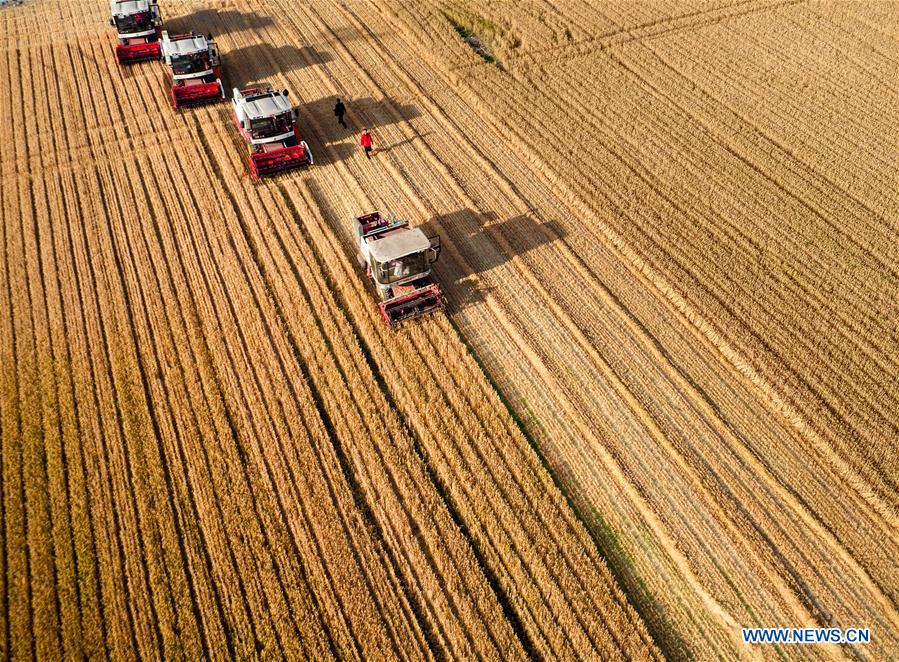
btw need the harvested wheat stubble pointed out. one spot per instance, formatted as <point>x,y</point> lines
<point>726,492</point>
<point>211,447</point>
<point>678,246</point>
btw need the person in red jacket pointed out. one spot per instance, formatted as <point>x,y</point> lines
<point>365,141</point>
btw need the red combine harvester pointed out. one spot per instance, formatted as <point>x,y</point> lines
<point>194,69</point>
<point>137,23</point>
<point>268,123</point>
<point>398,259</point>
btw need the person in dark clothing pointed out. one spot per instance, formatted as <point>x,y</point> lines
<point>340,111</point>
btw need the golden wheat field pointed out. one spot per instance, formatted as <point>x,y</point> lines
<point>663,403</point>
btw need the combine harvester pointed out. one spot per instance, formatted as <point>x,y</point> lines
<point>268,123</point>
<point>398,259</point>
<point>138,25</point>
<point>194,69</point>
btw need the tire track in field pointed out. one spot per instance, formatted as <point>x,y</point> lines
<point>881,50</point>
<point>67,594</point>
<point>155,427</point>
<point>47,577</point>
<point>116,587</point>
<point>17,633</point>
<point>77,586</point>
<point>883,413</point>
<point>89,400</point>
<point>814,258</point>
<point>44,599</point>
<point>158,424</point>
<point>735,84</point>
<point>94,628</point>
<point>27,405</point>
<point>136,522</point>
<point>260,603</point>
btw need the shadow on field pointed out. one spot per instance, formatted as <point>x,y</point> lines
<point>477,236</point>
<point>260,62</point>
<point>363,113</point>
<point>223,21</point>
<point>336,151</point>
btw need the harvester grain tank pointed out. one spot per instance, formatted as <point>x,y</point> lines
<point>268,123</point>
<point>138,25</point>
<point>194,69</point>
<point>398,259</point>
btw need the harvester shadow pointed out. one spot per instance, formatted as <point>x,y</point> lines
<point>260,62</point>
<point>362,113</point>
<point>223,21</point>
<point>336,151</point>
<point>485,244</point>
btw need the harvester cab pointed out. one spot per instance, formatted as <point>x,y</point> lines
<point>138,25</point>
<point>194,69</point>
<point>268,124</point>
<point>398,259</point>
